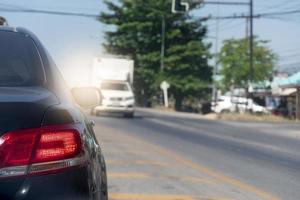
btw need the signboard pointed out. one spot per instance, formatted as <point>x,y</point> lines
<point>165,86</point>
<point>179,6</point>
<point>182,6</point>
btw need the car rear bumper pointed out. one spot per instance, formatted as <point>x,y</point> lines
<point>69,185</point>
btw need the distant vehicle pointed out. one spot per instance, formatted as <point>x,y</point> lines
<point>117,97</point>
<point>48,148</point>
<point>226,104</point>
<point>222,105</point>
<point>248,105</point>
<point>114,77</point>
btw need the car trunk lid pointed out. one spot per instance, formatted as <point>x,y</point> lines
<point>21,108</point>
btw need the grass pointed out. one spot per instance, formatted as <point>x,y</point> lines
<point>163,108</point>
<point>252,117</point>
<point>246,117</point>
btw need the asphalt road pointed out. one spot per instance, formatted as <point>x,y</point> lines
<point>169,156</point>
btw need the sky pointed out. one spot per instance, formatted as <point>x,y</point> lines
<point>75,41</point>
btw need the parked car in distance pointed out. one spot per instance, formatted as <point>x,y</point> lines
<point>222,105</point>
<point>252,107</point>
<point>226,104</point>
<point>48,148</point>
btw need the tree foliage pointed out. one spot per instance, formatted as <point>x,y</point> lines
<point>137,32</point>
<point>235,61</point>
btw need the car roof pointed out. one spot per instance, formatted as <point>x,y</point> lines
<point>16,30</point>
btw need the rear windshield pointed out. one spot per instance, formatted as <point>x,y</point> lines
<point>20,64</point>
<point>114,86</point>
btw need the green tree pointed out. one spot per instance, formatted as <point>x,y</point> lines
<point>136,32</point>
<point>234,59</point>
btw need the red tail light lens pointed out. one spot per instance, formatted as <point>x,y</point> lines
<point>57,145</point>
<point>16,148</point>
<point>39,147</point>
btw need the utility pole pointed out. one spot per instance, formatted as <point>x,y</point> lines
<point>216,70</point>
<point>247,29</point>
<point>181,6</point>
<point>163,37</point>
<point>163,41</point>
<point>251,43</point>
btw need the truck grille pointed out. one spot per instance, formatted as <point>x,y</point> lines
<point>116,98</point>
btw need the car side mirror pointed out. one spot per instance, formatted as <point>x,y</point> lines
<point>87,97</point>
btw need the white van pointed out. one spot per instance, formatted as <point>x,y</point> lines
<point>117,97</point>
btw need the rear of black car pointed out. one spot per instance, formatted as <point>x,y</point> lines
<point>44,152</point>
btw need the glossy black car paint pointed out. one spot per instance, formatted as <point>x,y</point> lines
<point>50,104</point>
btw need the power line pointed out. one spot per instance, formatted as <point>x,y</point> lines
<point>283,19</point>
<point>279,5</point>
<point>55,6</point>
<point>279,13</point>
<point>290,50</point>
<point>236,16</point>
<point>24,10</point>
<point>233,3</point>
<point>285,56</point>
<point>232,26</point>
<point>259,15</point>
<point>222,24</point>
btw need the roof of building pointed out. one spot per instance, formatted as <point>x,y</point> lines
<point>291,82</point>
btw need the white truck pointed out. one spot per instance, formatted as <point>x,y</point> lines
<point>114,77</point>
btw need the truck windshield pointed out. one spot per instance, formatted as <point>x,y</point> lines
<point>20,64</point>
<point>115,86</point>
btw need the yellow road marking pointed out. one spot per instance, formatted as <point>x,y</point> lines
<point>112,162</point>
<point>189,179</point>
<point>148,176</point>
<point>130,196</point>
<point>151,162</point>
<point>129,175</point>
<point>221,177</point>
<point>125,196</point>
<point>218,176</point>
<point>197,180</point>
<point>138,162</point>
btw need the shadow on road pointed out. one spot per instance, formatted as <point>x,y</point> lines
<point>118,116</point>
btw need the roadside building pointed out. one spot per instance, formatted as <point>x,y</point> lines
<point>275,98</point>
<point>278,95</point>
<point>292,83</point>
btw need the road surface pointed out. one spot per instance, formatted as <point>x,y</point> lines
<point>170,156</point>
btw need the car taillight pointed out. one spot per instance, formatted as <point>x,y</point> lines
<point>42,150</point>
<point>56,145</point>
<point>16,148</point>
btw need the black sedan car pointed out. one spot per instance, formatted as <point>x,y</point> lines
<point>48,148</point>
